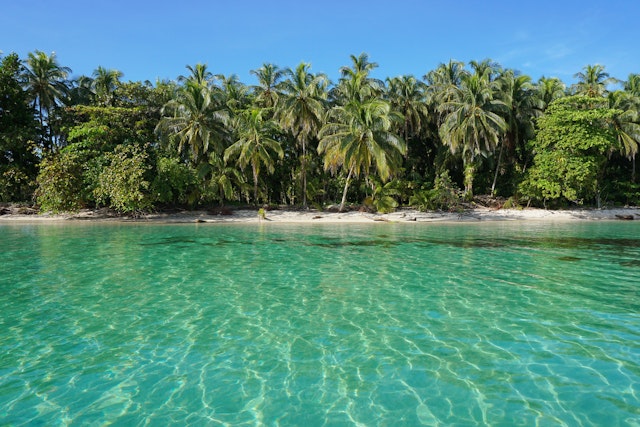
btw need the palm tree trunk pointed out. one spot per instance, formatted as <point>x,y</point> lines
<point>495,176</point>
<point>44,136</point>
<point>255,183</point>
<point>344,192</point>
<point>633,168</point>
<point>469,171</point>
<point>304,173</point>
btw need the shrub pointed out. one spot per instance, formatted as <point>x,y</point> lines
<point>60,183</point>
<point>173,182</point>
<point>122,184</point>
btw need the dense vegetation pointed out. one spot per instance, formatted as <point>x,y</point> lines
<point>296,138</point>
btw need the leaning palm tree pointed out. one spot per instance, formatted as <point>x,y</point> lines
<point>472,124</point>
<point>358,138</point>
<point>301,110</point>
<point>46,82</point>
<point>266,91</point>
<point>255,144</point>
<point>105,82</point>
<point>593,81</point>
<point>196,120</point>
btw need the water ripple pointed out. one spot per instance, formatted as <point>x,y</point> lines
<point>385,325</point>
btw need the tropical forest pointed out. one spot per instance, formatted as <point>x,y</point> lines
<point>459,134</point>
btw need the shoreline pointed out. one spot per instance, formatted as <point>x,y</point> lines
<point>311,216</point>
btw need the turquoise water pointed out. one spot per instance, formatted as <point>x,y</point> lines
<point>500,324</point>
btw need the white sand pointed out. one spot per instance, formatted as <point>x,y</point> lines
<point>314,216</point>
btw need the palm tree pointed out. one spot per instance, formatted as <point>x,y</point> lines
<point>267,92</point>
<point>549,89</point>
<point>80,92</point>
<point>255,144</point>
<point>522,105</point>
<point>355,83</point>
<point>444,81</point>
<point>407,96</point>
<point>105,82</point>
<point>234,94</point>
<point>46,82</point>
<point>593,81</point>
<point>301,110</point>
<point>472,124</point>
<point>632,85</point>
<point>487,66</point>
<point>196,118</point>
<point>199,76</point>
<point>222,178</point>
<point>626,125</point>
<point>357,137</point>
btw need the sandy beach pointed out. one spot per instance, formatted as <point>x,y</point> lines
<point>312,216</point>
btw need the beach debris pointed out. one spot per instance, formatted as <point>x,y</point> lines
<point>625,217</point>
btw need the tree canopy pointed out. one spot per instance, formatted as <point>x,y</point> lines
<point>298,138</point>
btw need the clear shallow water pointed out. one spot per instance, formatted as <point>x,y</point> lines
<point>493,324</point>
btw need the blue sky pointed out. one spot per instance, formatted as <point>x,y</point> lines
<point>147,40</point>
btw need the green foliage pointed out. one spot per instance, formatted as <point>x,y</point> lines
<point>18,133</point>
<point>221,181</point>
<point>571,150</point>
<point>472,120</point>
<point>255,145</point>
<point>511,203</point>
<point>443,196</point>
<point>103,128</point>
<point>195,119</point>
<point>358,137</point>
<point>558,175</point>
<point>46,82</point>
<point>60,182</point>
<point>173,181</point>
<point>123,184</point>
<point>15,184</point>
<point>383,198</point>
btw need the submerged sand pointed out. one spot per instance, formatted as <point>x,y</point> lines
<point>312,216</point>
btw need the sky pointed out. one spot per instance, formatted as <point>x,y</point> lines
<point>151,40</point>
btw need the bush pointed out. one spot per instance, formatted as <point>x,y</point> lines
<point>60,183</point>
<point>443,196</point>
<point>173,182</point>
<point>382,200</point>
<point>15,184</point>
<point>122,184</point>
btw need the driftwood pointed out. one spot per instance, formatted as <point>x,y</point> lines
<point>381,219</point>
<point>625,217</point>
